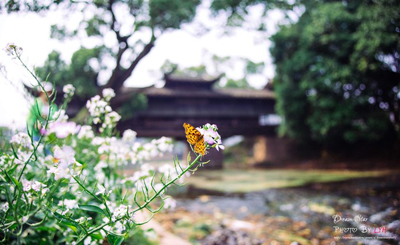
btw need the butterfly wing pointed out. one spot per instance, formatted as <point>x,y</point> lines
<point>192,134</point>
<point>200,147</point>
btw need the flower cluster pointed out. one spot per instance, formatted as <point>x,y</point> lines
<point>85,132</point>
<point>64,158</point>
<point>211,136</point>
<point>108,94</point>
<point>129,135</point>
<point>13,50</point>
<point>72,177</point>
<point>68,90</point>
<point>63,129</point>
<point>102,112</point>
<point>34,185</point>
<point>21,139</point>
<point>97,107</point>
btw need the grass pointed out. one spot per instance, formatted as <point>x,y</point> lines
<point>240,181</point>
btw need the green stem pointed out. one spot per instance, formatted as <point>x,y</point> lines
<point>46,121</point>
<point>93,195</point>
<point>41,137</point>
<point>166,185</point>
<point>144,205</point>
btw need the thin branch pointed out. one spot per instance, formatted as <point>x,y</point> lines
<point>140,207</point>
<point>120,76</point>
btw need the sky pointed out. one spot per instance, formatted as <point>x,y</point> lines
<point>183,47</point>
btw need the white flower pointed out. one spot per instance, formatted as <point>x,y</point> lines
<point>120,211</point>
<point>98,140</point>
<point>21,139</point>
<point>86,132</point>
<point>108,94</point>
<point>119,227</point>
<point>96,120</point>
<point>103,149</point>
<point>60,116</point>
<point>36,186</point>
<point>129,135</point>
<point>27,185</point>
<point>63,129</point>
<point>13,50</point>
<point>58,173</point>
<point>100,176</point>
<point>4,207</point>
<point>88,241</point>
<point>32,185</point>
<point>168,171</point>
<point>218,145</point>
<point>64,156</point>
<point>111,118</point>
<point>68,90</point>
<point>163,144</point>
<point>96,107</point>
<point>68,203</point>
<point>211,136</point>
<point>100,166</point>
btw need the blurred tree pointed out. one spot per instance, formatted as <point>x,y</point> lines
<point>27,5</point>
<point>120,32</point>
<point>220,65</point>
<point>338,72</point>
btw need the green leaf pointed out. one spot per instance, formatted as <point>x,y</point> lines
<point>72,227</point>
<point>114,239</point>
<point>67,221</point>
<point>204,163</point>
<point>15,181</point>
<point>45,228</point>
<point>189,158</point>
<point>12,170</point>
<point>93,208</point>
<point>97,236</point>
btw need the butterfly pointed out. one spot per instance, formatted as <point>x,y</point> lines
<point>194,137</point>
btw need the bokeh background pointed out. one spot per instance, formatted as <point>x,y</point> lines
<point>305,94</point>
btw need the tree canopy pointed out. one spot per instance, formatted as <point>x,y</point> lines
<point>338,72</point>
<point>120,33</point>
<point>116,35</point>
<point>337,62</point>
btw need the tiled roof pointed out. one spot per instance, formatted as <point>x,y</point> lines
<point>185,79</point>
<point>222,92</point>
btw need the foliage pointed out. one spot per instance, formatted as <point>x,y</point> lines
<point>66,185</point>
<point>26,5</point>
<point>124,32</point>
<point>220,65</point>
<point>5,136</point>
<point>80,74</point>
<point>338,74</point>
<point>136,103</point>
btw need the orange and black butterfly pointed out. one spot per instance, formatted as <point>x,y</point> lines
<point>194,137</point>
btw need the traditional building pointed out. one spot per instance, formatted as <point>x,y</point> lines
<point>196,101</point>
<point>235,111</point>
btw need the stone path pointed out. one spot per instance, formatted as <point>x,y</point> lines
<point>164,237</point>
